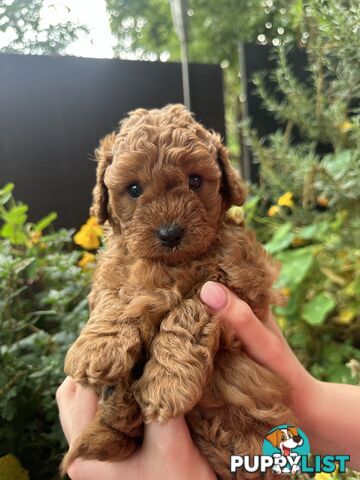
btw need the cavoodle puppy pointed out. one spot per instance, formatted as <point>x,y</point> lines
<point>150,349</point>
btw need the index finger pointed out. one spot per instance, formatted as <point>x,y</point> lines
<point>264,344</point>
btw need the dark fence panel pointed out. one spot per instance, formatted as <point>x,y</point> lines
<point>54,110</point>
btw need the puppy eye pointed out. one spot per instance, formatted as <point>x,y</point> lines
<point>134,190</point>
<point>194,182</point>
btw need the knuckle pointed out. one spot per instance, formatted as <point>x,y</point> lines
<point>240,312</point>
<point>59,393</point>
<point>66,388</point>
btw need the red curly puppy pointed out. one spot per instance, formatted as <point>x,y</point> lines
<point>150,349</point>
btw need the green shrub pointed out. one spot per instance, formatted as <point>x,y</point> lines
<point>42,305</point>
<point>307,206</point>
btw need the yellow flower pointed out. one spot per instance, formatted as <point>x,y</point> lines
<point>35,237</point>
<point>10,467</point>
<point>274,210</point>
<point>285,291</point>
<point>89,235</point>
<point>345,126</point>
<point>86,259</point>
<point>346,315</point>
<point>286,200</point>
<point>323,476</point>
<point>236,214</point>
<point>298,241</point>
<point>281,321</point>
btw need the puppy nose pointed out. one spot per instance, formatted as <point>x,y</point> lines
<point>170,235</point>
<point>297,439</point>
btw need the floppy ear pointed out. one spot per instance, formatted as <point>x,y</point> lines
<point>274,438</point>
<point>104,156</point>
<point>293,430</point>
<point>232,187</point>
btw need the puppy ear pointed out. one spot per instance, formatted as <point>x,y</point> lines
<point>274,438</point>
<point>104,156</point>
<point>233,189</point>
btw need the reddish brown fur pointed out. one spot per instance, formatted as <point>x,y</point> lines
<point>148,333</point>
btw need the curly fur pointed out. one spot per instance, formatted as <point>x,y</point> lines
<point>148,335</point>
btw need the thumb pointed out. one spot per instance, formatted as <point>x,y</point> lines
<point>262,343</point>
<point>167,436</point>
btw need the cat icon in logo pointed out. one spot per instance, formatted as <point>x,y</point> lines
<point>286,444</point>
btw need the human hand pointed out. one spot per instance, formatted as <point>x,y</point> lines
<point>264,342</point>
<point>322,408</point>
<point>167,450</point>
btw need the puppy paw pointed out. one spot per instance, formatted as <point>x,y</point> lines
<point>100,361</point>
<point>162,396</point>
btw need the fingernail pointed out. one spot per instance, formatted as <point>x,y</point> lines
<point>213,295</point>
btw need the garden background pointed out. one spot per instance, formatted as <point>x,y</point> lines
<point>305,206</point>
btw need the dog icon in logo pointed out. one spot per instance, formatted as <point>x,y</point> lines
<point>285,439</point>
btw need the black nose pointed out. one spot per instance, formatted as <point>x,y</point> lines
<point>297,439</point>
<point>170,235</point>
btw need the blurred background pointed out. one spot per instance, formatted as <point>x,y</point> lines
<point>279,79</point>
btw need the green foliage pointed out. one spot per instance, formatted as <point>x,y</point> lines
<point>314,226</point>
<point>30,33</point>
<point>42,305</point>
<point>144,30</point>
<point>215,28</point>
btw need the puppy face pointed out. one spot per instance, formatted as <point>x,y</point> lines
<point>164,182</point>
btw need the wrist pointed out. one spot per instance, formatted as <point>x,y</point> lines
<point>304,398</point>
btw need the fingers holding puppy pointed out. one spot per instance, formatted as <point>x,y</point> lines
<point>77,407</point>
<point>263,341</point>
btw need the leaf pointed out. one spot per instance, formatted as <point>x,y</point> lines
<point>250,206</point>
<point>22,264</point>
<point>45,222</point>
<point>316,311</point>
<point>316,231</point>
<point>8,411</point>
<point>353,289</point>
<point>5,193</point>
<point>295,266</point>
<point>337,165</point>
<point>16,215</point>
<point>281,239</point>
<point>334,277</point>
<point>13,233</point>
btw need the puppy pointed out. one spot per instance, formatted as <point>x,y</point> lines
<point>150,348</point>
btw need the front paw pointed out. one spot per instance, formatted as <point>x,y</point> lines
<point>162,395</point>
<point>100,361</point>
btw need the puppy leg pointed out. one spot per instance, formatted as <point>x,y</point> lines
<point>107,347</point>
<point>180,363</point>
<point>113,434</point>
